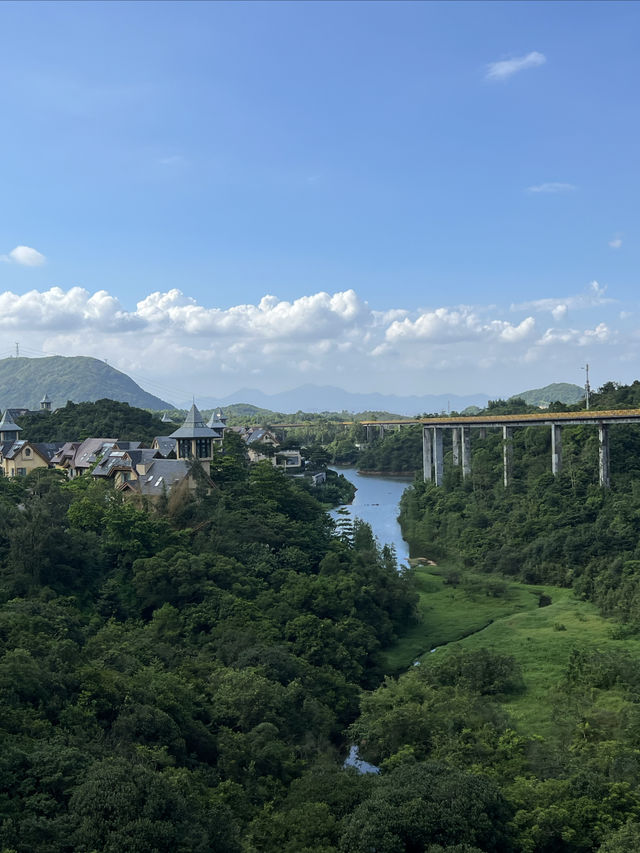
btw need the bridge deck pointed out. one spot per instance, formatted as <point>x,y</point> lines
<point>592,417</point>
<point>619,416</point>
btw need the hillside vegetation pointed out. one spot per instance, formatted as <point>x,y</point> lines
<point>179,680</point>
<point>104,418</point>
<point>190,676</point>
<point>557,392</point>
<point>24,382</point>
<point>401,450</point>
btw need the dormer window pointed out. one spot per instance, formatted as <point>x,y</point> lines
<point>27,451</point>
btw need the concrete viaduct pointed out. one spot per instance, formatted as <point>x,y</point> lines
<point>432,438</point>
<point>460,429</point>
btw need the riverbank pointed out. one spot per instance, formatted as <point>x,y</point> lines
<point>405,475</point>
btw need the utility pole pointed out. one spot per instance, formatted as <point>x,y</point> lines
<point>587,387</point>
<point>17,350</point>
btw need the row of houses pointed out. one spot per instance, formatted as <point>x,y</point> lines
<point>149,471</point>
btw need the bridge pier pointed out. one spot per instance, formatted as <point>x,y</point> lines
<point>466,451</point>
<point>455,442</point>
<point>438,466</point>
<point>507,455</point>
<point>603,455</point>
<point>427,455</point>
<point>556,449</point>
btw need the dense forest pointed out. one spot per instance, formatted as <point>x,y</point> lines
<point>178,678</point>
<point>576,789</point>
<point>104,419</point>
<point>190,675</point>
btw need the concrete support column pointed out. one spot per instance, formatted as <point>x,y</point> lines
<point>455,442</point>
<point>603,467</point>
<point>483,432</point>
<point>437,455</point>
<point>427,455</point>
<point>466,452</point>
<point>507,454</point>
<point>556,449</point>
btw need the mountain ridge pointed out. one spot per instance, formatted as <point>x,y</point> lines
<point>557,392</point>
<point>329,398</point>
<point>24,382</point>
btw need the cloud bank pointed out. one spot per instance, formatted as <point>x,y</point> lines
<point>182,346</point>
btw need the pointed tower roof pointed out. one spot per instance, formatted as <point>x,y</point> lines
<point>214,422</point>
<point>193,426</point>
<point>165,418</point>
<point>45,399</point>
<point>221,416</point>
<point>7,424</point>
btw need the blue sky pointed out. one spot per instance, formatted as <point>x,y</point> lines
<point>466,173</point>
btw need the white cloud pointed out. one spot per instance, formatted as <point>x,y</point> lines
<point>505,68</point>
<point>25,256</point>
<point>558,307</point>
<point>552,187</point>
<point>600,334</point>
<point>172,339</point>
<point>560,311</point>
<point>615,242</point>
<point>515,334</point>
<point>58,309</point>
<point>445,325</point>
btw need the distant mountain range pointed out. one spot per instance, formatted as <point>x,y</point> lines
<point>24,382</point>
<point>558,392</point>
<point>328,398</point>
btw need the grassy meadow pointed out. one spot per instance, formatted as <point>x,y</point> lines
<point>540,638</point>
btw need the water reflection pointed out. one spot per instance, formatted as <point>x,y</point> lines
<point>377,502</point>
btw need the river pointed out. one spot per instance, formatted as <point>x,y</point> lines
<point>377,502</point>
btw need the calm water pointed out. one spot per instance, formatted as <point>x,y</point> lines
<point>377,502</point>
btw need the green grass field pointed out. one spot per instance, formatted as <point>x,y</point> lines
<point>516,625</point>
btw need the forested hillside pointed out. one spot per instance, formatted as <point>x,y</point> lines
<point>24,382</point>
<point>104,418</point>
<point>401,450</point>
<point>557,392</point>
<point>171,679</point>
<point>564,530</point>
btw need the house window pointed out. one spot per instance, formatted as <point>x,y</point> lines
<point>184,448</point>
<point>203,448</point>
<point>27,451</point>
<point>22,472</point>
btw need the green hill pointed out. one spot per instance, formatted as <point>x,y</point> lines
<point>77,421</point>
<point>24,381</point>
<point>557,392</point>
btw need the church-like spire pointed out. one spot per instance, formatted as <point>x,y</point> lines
<point>194,438</point>
<point>8,429</point>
